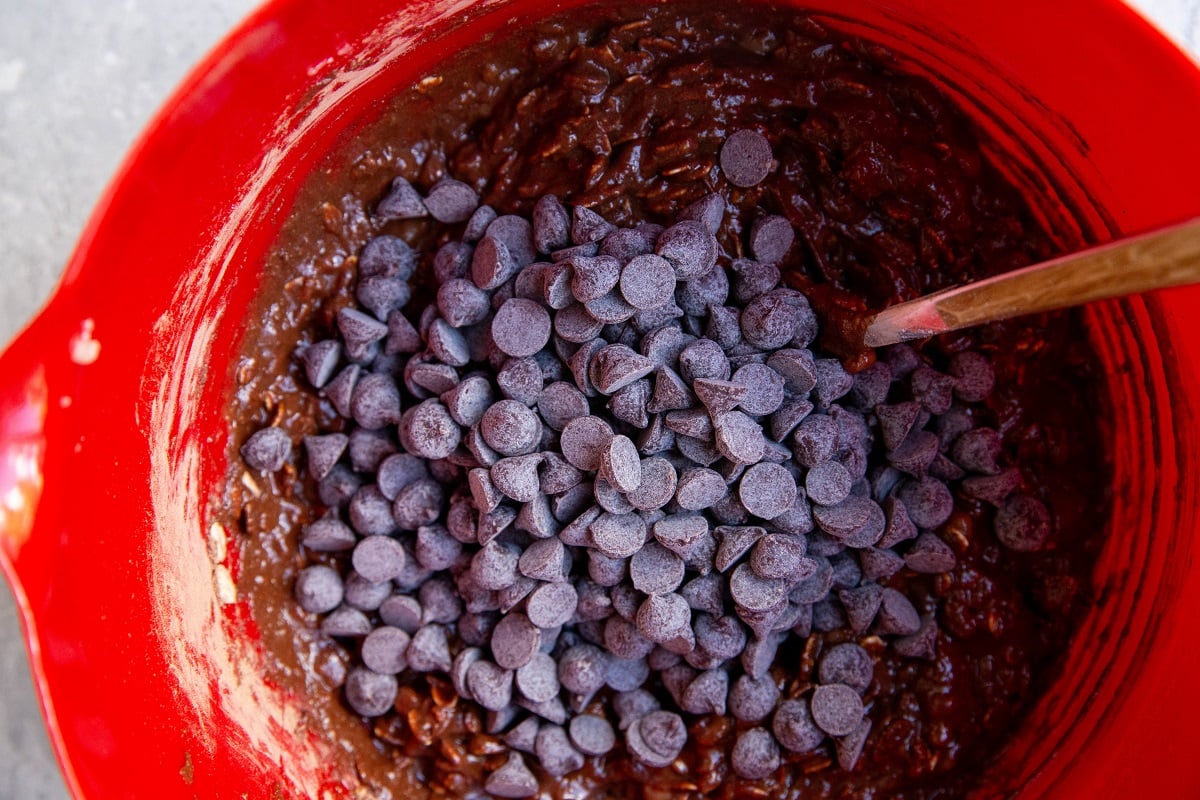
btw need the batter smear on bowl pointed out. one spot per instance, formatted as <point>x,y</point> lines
<point>547,485</point>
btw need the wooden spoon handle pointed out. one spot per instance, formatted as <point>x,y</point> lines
<point>1164,258</point>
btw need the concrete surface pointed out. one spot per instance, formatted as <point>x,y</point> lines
<point>78,80</point>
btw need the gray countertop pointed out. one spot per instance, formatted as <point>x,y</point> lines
<point>78,80</point>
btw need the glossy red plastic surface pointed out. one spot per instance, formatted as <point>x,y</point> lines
<point>112,437</point>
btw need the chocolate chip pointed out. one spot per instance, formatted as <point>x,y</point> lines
<point>778,555</point>
<point>451,201</point>
<point>722,637</point>
<point>709,211</point>
<point>922,644</point>
<point>647,281</point>
<point>850,746</point>
<point>583,441</point>
<point>655,570</point>
<point>753,592</point>
<point>610,309</point>
<point>328,534</point>
<point>620,464</point>
<point>705,291</point>
<point>512,780</point>
<point>738,437</point>
<point>680,532</point>
<point>490,685</point>
<point>427,430</point>
<point>517,478</point>
<point>618,535</point>
<point>770,239</point>
<point>699,488</point>
<point>387,256</point>
<point>689,248</point>
<point>588,226</point>
<point>836,709</point>
<point>658,484</point>
<point>895,422</point>
<point>735,542</point>
<point>616,366</point>
<point>993,489</point>
<point>662,617</point>
<point>977,450</point>
<point>623,639</point>
<point>401,202</point>
<point>746,158</point>
<point>523,736</point>
<point>767,490</point>
<point>928,502</point>
<point>794,727</point>
<point>552,710</point>
<point>973,376</point>
<point>516,234</point>
<point>436,549</point>
<point>384,649</point>
<point>897,615</point>
<point>915,453</point>
<point>494,566</point>
<point>552,604</point>
<point>797,368</point>
<point>815,440</point>
<point>694,423</point>
<point>320,361</point>
<point>370,512</point>
<point>401,611</point>
<point>543,560</point>
<point>627,674</point>
<point>417,504</point>
<point>559,403</point>
<point>769,322</point>
<point>378,558</point>
<point>755,754</point>
<point>510,428</point>
<point>556,752</point>
<point>1022,524</point>
<point>318,589</point>
<point>753,699</point>
<point>628,404</point>
<point>861,604</point>
<point>828,483</point>
<point>719,396</point>
<point>581,668</point>
<point>933,389</point>
<point>345,621</point>
<point>370,693</point>
<point>521,327</point>
<point>706,693</point>
<point>382,295</point>
<point>591,734</point>
<point>656,739</point>
<point>398,471</point>
<point>462,303</point>
<point>930,555</point>
<point>849,664</point>
<point>593,276</point>
<point>833,382</point>
<point>515,640</point>
<point>367,595</point>
<point>551,224</point>
<point>267,450</point>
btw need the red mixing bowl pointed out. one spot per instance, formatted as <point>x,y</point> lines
<point>112,436</point>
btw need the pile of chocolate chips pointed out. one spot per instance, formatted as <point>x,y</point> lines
<point>606,465</point>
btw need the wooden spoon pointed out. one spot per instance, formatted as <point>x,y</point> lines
<point>1158,260</point>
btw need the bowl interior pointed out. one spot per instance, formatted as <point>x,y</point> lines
<point>296,80</point>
